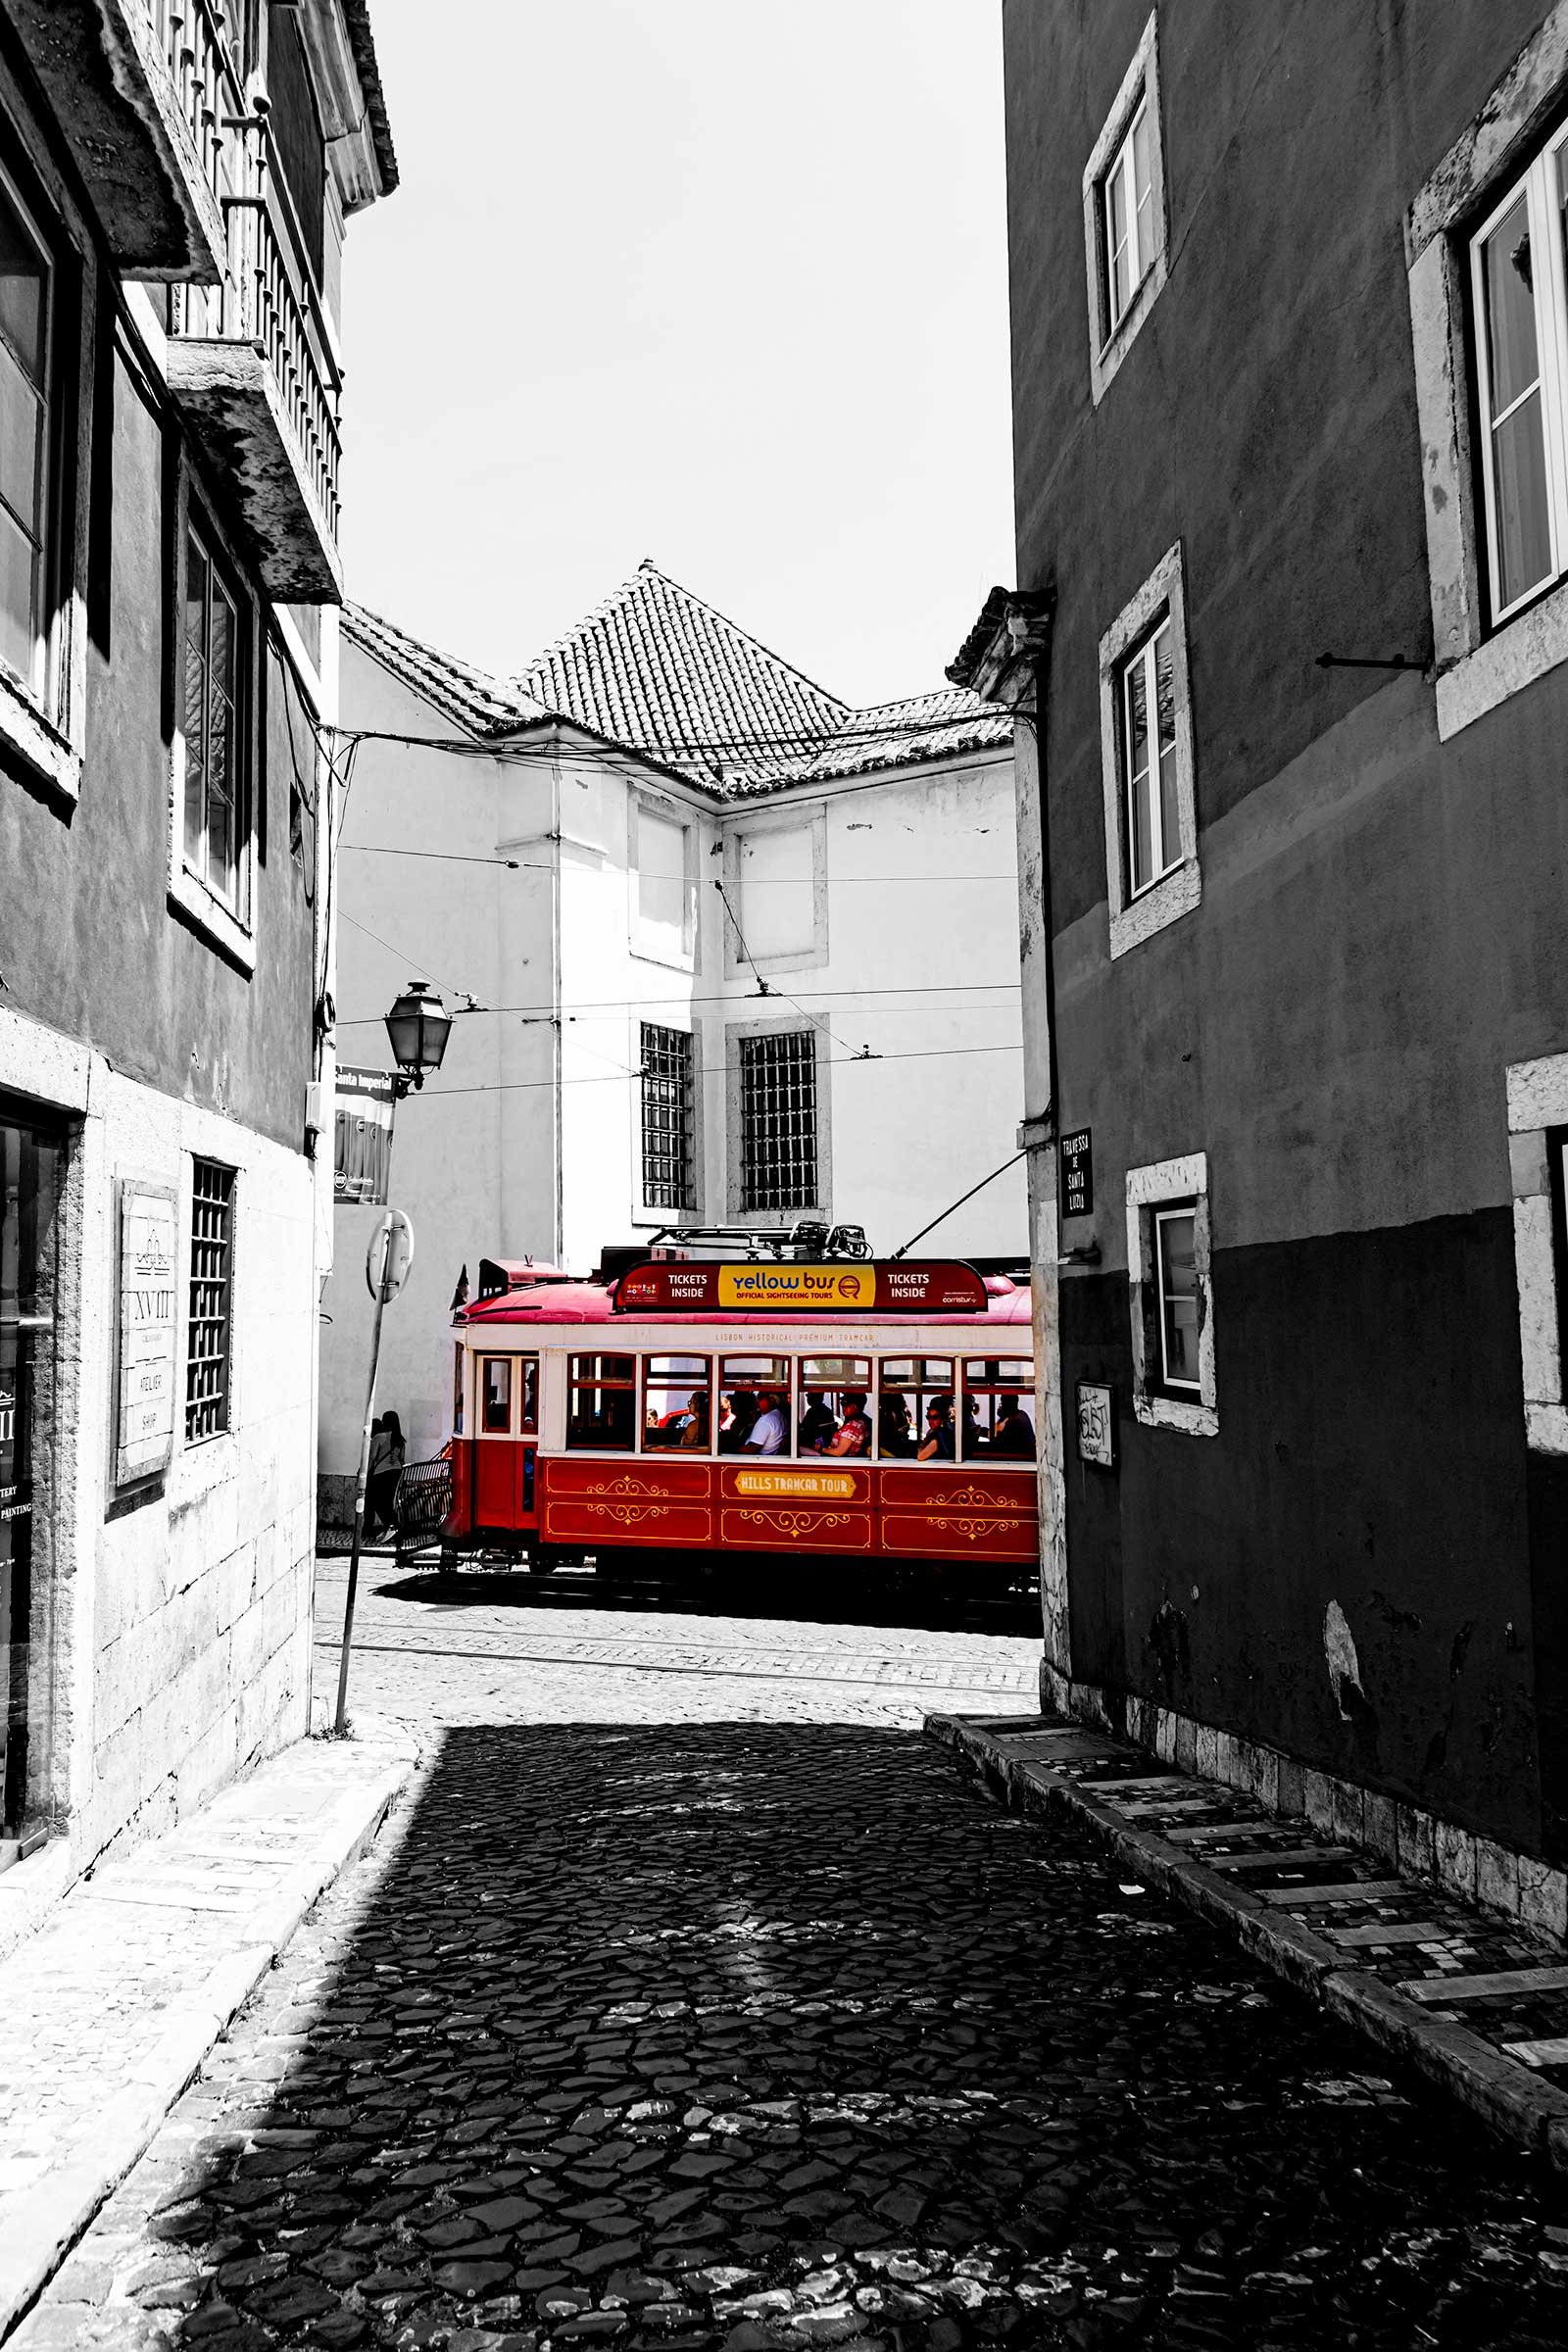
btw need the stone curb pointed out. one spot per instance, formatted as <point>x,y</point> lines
<point>45,2222</point>
<point>1508,2096</point>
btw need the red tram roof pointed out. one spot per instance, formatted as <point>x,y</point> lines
<point>558,1301</point>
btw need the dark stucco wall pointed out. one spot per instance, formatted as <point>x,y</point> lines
<point>1382,928</point>
<point>92,946</point>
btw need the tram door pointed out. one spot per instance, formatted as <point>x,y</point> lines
<point>505,1441</point>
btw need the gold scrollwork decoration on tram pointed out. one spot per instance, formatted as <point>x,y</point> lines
<point>971,1530</point>
<point>969,1497</point>
<point>796,1523</point>
<point>626,1483</point>
<point>626,1514</point>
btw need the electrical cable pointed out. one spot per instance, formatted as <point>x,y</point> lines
<point>575,1008</point>
<point>523,1086</point>
<point>958,1204</point>
<point>767,988</point>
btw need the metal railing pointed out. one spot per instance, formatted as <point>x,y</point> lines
<point>194,37</point>
<point>268,299</point>
<point>420,1504</point>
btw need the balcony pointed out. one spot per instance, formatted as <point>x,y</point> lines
<point>253,368</point>
<point>141,90</point>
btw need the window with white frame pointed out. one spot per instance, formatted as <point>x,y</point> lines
<point>217,825</point>
<point>1519,294</point>
<point>1151,870</point>
<point>1127,216</point>
<point>47,284</point>
<point>1170,1274</point>
<point>1153,817</point>
<point>663,885</point>
<point>27,331</point>
<point>1124,214</point>
<point>1538,1153</point>
<point>1483,245</point>
<point>1176,1294</point>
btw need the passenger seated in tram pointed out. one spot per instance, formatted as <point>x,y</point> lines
<point>974,1437</point>
<point>1014,1432</point>
<point>853,1432</point>
<point>768,1431</point>
<point>694,1436</point>
<point>936,1444</point>
<point>733,1433</point>
<point>816,1422</point>
<point>898,1438</point>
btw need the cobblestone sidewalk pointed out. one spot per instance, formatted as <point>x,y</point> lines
<point>111,2005</point>
<point>718,2037</point>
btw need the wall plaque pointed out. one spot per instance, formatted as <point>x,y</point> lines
<point>1096,1425</point>
<point>1077,1174</point>
<point>148,1298</point>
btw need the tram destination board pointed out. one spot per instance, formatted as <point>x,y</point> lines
<point>907,1286</point>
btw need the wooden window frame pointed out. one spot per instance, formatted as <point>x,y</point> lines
<point>1549,293</point>
<point>1112,333</point>
<point>229,927</point>
<point>43,720</point>
<point>1133,915</point>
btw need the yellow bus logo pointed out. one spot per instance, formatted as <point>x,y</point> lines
<point>829,1287</point>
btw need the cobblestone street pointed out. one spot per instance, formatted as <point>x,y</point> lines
<point>693,1999</point>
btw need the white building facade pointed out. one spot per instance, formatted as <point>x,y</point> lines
<point>742,962</point>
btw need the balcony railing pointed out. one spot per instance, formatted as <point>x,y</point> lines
<point>267,303</point>
<point>193,35</point>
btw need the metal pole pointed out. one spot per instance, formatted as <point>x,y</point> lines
<point>359,1505</point>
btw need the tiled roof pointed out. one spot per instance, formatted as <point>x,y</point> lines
<point>656,668</point>
<point>362,43</point>
<point>468,696</point>
<point>926,726</point>
<point>657,672</point>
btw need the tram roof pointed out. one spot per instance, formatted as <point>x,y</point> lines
<point>558,1301</point>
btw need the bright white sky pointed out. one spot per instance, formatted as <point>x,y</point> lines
<point>723,282</point>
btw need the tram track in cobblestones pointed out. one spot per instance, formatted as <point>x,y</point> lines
<point>681,2011</point>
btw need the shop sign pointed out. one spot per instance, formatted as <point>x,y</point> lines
<point>366,1101</point>
<point>897,1287</point>
<point>1096,1425</point>
<point>148,1300</point>
<point>1077,1174</point>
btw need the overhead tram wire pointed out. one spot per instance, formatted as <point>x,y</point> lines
<point>574,1008</point>
<point>539,865</point>
<point>717,1070</point>
<point>769,989</point>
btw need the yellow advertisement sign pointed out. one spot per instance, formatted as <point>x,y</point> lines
<point>794,1481</point>
<point>831,1287</point>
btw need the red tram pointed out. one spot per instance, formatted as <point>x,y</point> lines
<point>837,1410</point>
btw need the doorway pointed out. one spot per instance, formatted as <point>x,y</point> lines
<point>31,1169</point>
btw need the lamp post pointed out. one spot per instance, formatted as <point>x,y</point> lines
<point>419,1026</point>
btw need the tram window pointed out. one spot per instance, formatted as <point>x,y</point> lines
<point>457,1392</point>
<point>753,1404</point>
<point>677,1403</point>
<point>528,1418</point>
<point>916,1410</point>
<point>835,1414</point>
<point>998,1408</point>
<point>494,1373</point>
<point>601,1403</point>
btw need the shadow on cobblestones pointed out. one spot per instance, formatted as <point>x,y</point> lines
<point>741,2035</point>
<point>940,1599</point>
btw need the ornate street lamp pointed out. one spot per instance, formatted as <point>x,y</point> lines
<point>419,1026</point>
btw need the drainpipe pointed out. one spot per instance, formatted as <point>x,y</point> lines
<point>557,1026</point>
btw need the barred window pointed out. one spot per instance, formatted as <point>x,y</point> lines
<point>212,1267</point>
<point>669,1175</point>
<point>778,1121</point>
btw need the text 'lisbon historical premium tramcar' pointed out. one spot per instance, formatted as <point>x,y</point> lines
<point>849,1409</point>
